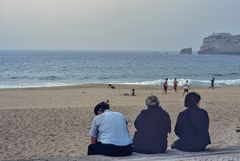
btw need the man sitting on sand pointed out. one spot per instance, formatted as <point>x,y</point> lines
<point>109,133</point>
<point>192,126</point>
<point>153,126</point>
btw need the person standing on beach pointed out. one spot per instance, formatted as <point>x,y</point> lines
<point>165,86</point>
<point>186,88</point>
<point>192,126</point>
<point>175,84</point>
<point>212,83</point>
<point>109,133</point>
<point>152,128</point>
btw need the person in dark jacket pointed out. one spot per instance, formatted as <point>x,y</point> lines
<point>152,128</point>
<point>192,126</point>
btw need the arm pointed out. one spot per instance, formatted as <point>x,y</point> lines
<point>178,125</point>
<point>137,122</point>
<point>93,132</point>
<point>170,128</point>
<point>93,140</point>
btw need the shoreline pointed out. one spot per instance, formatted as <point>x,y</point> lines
<point>52,122</point>
<point>90,85</point>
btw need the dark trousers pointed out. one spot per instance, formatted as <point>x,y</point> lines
<point>109,149</point>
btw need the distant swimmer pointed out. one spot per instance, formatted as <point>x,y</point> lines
<point>212,83</point>
<point>186,88</point>
<point>165,86</point>
<point>175,84</point>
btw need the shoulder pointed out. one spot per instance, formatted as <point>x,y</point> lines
<point>143,112</point>
<point>203,111</point>
<point>164,111</point>
<point>183,113</point>
<point>118,114</point>
<point>166,114</point>
<point>98,117</point>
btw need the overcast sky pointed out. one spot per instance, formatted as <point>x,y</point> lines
<point>114,24</point>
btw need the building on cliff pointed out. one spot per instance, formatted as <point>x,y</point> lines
<point>221,43</point>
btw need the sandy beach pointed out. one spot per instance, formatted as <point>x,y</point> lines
<point>54,122</point>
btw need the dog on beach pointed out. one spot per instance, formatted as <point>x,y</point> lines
<point>111,86</point>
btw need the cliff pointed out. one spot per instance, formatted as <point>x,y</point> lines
<point>186,51</point>
<point>221,43</point>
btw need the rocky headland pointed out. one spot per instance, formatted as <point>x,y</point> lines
<point>221,43</point>
<point>186,51</point>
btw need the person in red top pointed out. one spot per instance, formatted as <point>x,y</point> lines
<point>175,84</point>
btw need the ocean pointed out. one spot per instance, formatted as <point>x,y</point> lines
<point>35,68</point>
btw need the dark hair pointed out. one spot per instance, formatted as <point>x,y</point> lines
<point>101,107</point>
<point>192,99</point>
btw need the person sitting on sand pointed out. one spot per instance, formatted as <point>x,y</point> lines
<point>152,128</point>
<point>192,126</point>
<point>165,86</point>
<point>186,88</point>
<point>109,133</point>
<point>175,84</point>
<point>133,92</point>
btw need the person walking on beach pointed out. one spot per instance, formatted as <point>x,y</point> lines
<point>186,88</point>
<point>192,126</point>
<point>109,133</point>
<point>165,86</point>
<point>152,128</point>
<point>212,83</point>
<point>175,84</point>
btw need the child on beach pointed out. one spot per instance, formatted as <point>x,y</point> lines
<point>133,92</point>
<point>186,88</point>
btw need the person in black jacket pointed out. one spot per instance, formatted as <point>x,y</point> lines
<point>152,127</point>
<point>192,126</point>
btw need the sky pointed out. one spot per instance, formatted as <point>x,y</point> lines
<point>114,24</point>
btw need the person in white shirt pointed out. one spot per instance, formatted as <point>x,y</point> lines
<point>186,88</point>
<point>109,133</point>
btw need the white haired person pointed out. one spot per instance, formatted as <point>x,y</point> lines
<point>152,128</point>
<point>109,133</point>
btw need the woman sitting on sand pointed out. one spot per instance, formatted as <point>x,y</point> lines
<point>153,126</point>
<point>192,126</point>
<point>109,133</point>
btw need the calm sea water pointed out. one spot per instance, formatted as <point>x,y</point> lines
<point>55,68</point>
